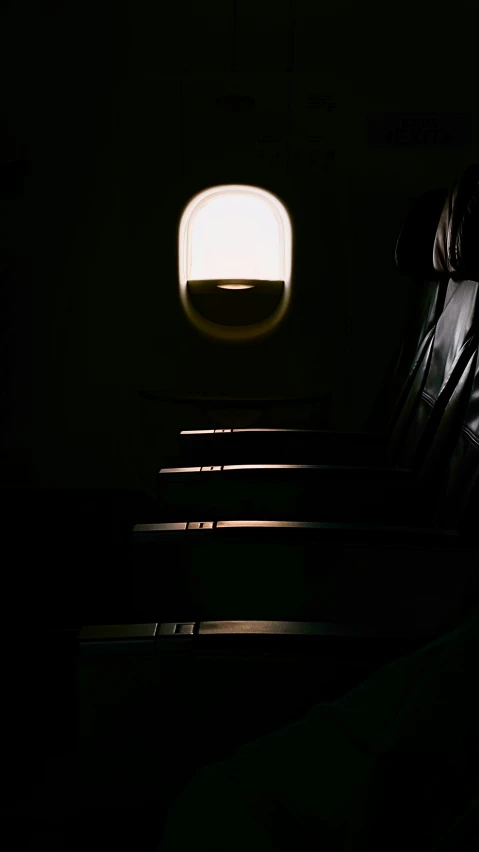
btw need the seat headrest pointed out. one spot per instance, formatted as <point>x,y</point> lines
<point>416,239</point>
<point>456,246</point>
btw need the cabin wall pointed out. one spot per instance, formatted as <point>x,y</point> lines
<point>117,121</point>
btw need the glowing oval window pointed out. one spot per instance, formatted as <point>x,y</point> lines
<point>235,247</point>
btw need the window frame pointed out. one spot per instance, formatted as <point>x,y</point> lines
<point>283,218</point>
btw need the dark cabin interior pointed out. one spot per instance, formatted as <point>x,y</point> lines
<point>169,598</point>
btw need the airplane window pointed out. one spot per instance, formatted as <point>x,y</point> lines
<point>235,236</point>
<point>235,247</point>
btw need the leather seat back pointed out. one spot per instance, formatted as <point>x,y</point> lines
<point>458,506</point>
<point>414,260</point>
<point>414,257</point>
<point>457,496</point>
<point>451,342</point>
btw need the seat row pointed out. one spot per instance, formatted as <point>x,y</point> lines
<point>320,526</point>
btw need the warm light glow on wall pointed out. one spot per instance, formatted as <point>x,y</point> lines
<point>235,236</point>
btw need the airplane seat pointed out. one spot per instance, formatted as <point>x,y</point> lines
<point>456,331</point>
<point>291,491</point>
<point>414,260</point>
<point>397,758</point>
<point>279,569</point>
<point>459,253</point>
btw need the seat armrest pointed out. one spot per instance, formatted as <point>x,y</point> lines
<point>279,445</point>
<point>327,471</point>
<point>247,636</point>
<point>314,532</point>
<point>297,471</point>
<point>279,433</point>
<point>347,533</point>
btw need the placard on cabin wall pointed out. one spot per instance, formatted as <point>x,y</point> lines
<point>419,129</point>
